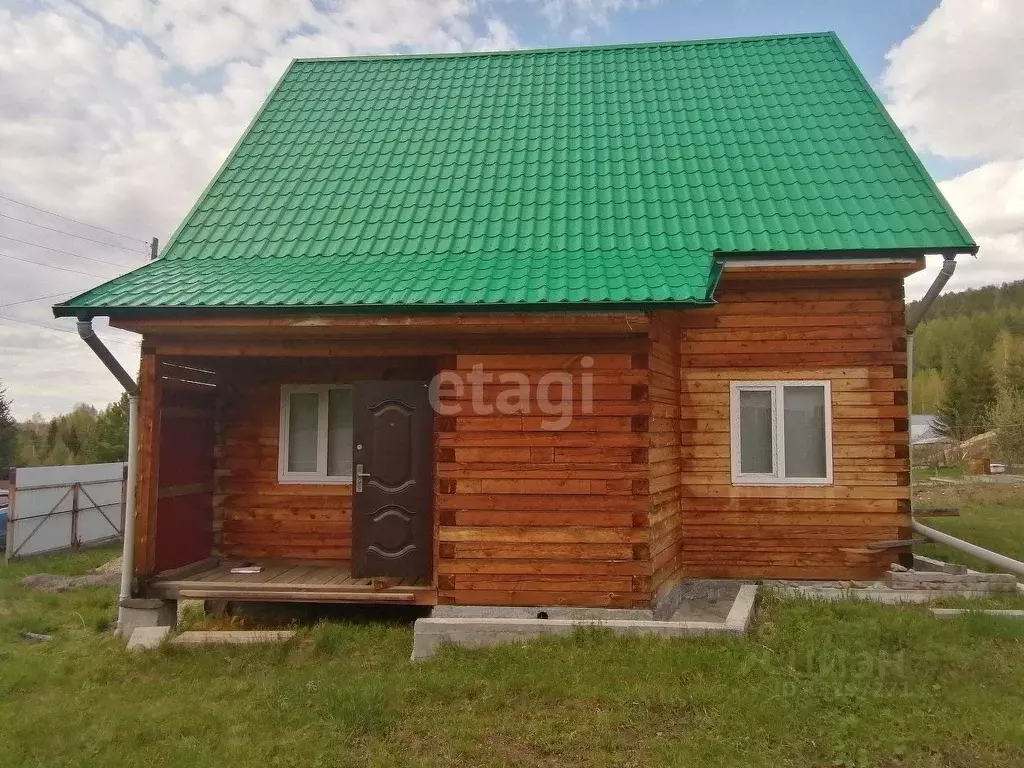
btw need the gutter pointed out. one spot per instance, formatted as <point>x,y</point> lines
<point>88,334</point>
<point>945,272</point>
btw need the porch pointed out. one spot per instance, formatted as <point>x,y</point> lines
<point>513,513</point>
<point>286,581</point>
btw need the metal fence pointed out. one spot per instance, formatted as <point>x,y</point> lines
<point>59,508</point>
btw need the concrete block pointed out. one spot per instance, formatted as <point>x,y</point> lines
<point>147,638</point>
<point>922,563</point>
<point>232,637</point>
<point>134,613</point>
<point>742,609</point>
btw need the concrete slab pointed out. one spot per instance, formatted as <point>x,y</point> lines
<point>430,634</point>
<point>952,613</point>
<point>232,637</point>
<point>875,592</point>
<point>147,638</point>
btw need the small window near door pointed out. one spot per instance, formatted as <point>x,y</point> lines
<point>316,434</point>
<point>781,432</point>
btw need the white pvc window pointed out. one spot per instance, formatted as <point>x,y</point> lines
<point>316,434</point>
<point>781,432</point>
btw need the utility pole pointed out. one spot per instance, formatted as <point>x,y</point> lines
<point>154,247</point>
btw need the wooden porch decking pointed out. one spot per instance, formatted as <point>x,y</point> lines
<point>286,581</point>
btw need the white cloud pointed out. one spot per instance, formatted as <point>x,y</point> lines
<point>118,112</point>
<point>954,85</point>
<point>589,12</point>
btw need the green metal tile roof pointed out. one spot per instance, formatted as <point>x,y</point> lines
<point>579,176</point>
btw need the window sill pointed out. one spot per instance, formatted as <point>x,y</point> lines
<point>794,483</point>
<point>282,480</point>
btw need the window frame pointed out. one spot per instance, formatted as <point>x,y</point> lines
<point>320,476</point>
<point>777,389</point>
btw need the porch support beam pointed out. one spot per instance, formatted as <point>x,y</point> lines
<point>147,485</point>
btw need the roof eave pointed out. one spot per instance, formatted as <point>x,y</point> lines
<point>85,313</point>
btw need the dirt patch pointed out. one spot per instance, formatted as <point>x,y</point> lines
<point>953,494</point>
<point>49,582</point>
<point>111,566</point>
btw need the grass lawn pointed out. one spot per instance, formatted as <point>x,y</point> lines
<point>991,516</point>
<point>813,685</point>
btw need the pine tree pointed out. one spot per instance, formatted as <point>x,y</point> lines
<point>51,435</point>
<point>72,440</point>
<point>111,434</point>
<point>8,433</point>
<point>970,393</point>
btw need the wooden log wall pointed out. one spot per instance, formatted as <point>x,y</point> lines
<point>665,458</point>
<point>258,516</point>
<point>851,333</point>
<point>530,516</point>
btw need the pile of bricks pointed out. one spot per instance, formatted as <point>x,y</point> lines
<point>950,582</point>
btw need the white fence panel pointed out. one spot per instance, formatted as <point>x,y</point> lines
<point>58,508</point>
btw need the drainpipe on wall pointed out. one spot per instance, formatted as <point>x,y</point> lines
<point>85,330</point>
<point>946,272</point>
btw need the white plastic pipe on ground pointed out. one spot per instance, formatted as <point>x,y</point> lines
<point>1000,561</point>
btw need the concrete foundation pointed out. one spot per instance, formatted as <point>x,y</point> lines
<point>137,612</point>
<point>556,613</point>
<point>476,626</point>
<point>147,638</point>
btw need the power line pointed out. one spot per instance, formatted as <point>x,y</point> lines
<point>54,266</point>
<point>68,218</point>
<point>63,330</point>
<point>37,298</point>
<point>71,234</point>
<point>67,253</point>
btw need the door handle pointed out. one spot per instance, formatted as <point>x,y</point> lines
<point>359,477</point>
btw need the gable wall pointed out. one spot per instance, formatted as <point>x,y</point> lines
<point>851,333</point>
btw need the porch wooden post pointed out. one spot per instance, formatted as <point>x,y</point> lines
<point>148,464</point>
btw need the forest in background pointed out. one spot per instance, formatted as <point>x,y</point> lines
<point>86,435</point>
<point>969,364</point>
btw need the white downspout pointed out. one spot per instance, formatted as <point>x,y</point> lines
<point>128,534</point>
<point>88,334</point>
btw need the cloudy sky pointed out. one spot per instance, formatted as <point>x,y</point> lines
<point>115,114</point>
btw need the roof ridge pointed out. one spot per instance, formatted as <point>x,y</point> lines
<point>565,49</point>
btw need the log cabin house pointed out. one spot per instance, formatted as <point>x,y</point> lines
<point>705,242</point>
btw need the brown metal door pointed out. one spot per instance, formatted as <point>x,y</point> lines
<point>392,459</point>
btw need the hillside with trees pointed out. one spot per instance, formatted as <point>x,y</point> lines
<point>969,364</point>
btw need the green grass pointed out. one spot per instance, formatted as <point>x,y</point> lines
<point>991,516</point>
<point>927,474</point>
<point>813,685</point>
